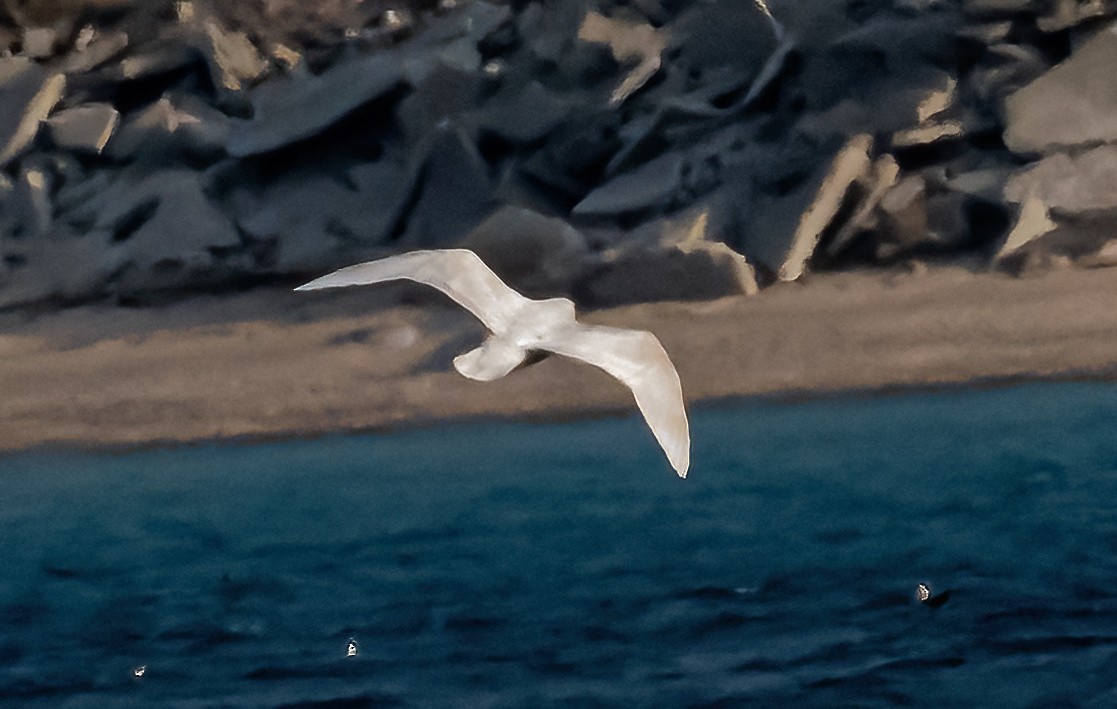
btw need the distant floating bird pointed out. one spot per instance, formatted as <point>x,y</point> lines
<point>140,671</point>
<point>523,328</point>
<point>923,595</point>
<point>352,648</point>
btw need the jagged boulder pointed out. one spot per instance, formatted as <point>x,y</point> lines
<point>1073,104</point>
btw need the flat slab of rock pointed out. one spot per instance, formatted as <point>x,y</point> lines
<point>647,187</point>
<point>1073,104</point>
<point>291,109</point>
<point>84,128</point>
<point>1074,185</point>
<point>523,115</point>
<point>39,42</point>
<point>96,51</point>
<point>28,93</point>
<point>233,59</point>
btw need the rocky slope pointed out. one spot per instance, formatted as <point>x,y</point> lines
<point>618,152</point>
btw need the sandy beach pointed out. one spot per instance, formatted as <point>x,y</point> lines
<point>270,363</point>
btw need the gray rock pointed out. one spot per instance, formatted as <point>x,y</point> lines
<point>1063,14</point>
<point>302,214</point>
<point>451,40</point>
<point>77,204</point>
<point>875,186</point>
<point>101,48</point>
<point>25,208</point>
<point>473,20</point>
<point>1032,222</point>
<point>39,42</point>
<point>903,212</point>
<point>629,42</point>
<point>885,63</point>
<point>310,214</point>
<point>445,93</point>
<point>1073,104</point>
<point>163,219</point>
<point>724,36</point>
<point>948,220</point>
<point>84,128</point>
<point>1004,70</point>
<point>691,268</point>
<point>382,188</point>
<point>233,60</point>
<point>928,134</point>
<point>678,120</point>
<point>904,43</point>
<point>170,53</point>
<point>889,105</point>
<point>783,232</point>
<point>28,93</point>
<point>170,129</point>
<point>1060,243</point>
<point>987,33</point>
<point>649,187</point>
<point>1103,257</point>
<point>577,147</point>
<point>669,273</point>
<point>455,193</point>
<point>771,70</point>
<point>523,115</point>
<point>541,255</point>
<point>1070,185</point>
<point>460,55</point>
<point>550,29</point>
<point>296,107</point>
<point>995,8</point>
<point>986,184</point>
<point>62,266</point>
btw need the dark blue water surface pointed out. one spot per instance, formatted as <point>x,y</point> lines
<point>531,565</point>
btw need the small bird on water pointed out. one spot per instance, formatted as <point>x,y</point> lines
<point>523,328</point>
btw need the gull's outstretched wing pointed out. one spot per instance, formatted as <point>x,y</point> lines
<point>459,273</point>
<point>638,359</point>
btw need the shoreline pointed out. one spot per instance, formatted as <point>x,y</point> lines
<point>269,364</point>
<point>419,423</point>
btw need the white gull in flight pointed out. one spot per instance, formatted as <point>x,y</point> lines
<point>523,326</point>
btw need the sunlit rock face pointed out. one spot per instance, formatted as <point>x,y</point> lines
<point>815,135</point>
<point>1073,104</point>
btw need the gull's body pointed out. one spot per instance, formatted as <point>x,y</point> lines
<point>522,326</point>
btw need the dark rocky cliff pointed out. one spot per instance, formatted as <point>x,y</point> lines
<point>614,151</point>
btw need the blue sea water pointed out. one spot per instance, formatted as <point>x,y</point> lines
<point>515,565</point>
